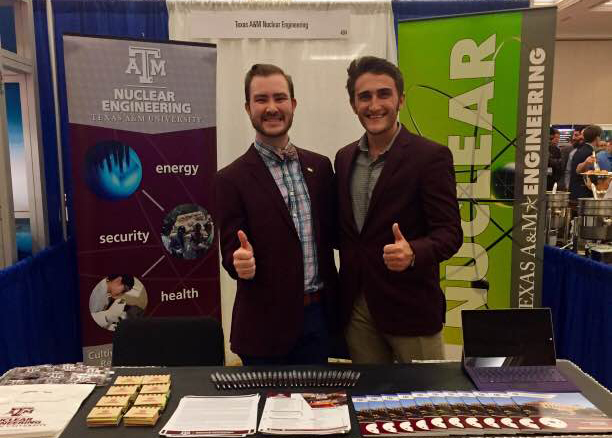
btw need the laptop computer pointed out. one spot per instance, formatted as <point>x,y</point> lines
<point>512,349</point>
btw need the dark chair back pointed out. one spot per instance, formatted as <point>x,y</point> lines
<point>168,341</point>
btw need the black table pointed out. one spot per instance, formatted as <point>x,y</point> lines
<point>374,379</point>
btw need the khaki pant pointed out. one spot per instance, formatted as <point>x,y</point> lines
<point>367,344</point>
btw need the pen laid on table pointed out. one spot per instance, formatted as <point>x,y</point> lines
<point>285,379</point>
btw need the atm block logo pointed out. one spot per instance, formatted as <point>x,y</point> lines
<point>19,416</point>
<point>145,62</point>
<point>18,412</point>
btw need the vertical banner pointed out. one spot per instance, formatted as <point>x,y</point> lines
<point>143,153</point>
<point>481,84</point>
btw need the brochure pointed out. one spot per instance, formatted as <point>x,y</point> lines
<point>476,413</point>
<point>305,414</point>
<point>221,416</point>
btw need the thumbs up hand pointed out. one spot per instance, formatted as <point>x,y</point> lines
<point>398,255</point>
<point>244,259</point>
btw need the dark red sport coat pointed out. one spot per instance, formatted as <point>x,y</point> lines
<point>269,309</point>
<point>416,189</point>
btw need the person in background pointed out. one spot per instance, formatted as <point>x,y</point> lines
<point>198,241</point>
<point>208,234</point>
<point>604,156</point>
<point>567,153</point>
<point>555,160</point>
<point>165,236</point>
<point>398,219</point>
<point>582,161</point>
<point>178,242</point>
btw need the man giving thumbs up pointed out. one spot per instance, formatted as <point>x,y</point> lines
<point>244,261</point>
<point>398,255</point>
<point>399,218</point>
<point>274,205</point>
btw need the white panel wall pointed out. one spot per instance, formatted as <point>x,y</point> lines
<point>582,84</point>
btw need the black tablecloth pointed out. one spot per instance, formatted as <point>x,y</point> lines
<point>374,380</point>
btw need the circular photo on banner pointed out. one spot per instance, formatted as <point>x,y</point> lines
<point>117,297</point>
<point>112,170</point>
<point>188,231</point>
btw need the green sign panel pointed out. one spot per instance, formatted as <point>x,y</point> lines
<point>481,84</point>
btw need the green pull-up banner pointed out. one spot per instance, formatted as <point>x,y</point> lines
<point>481,84</point>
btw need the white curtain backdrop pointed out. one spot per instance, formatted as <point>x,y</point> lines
<point>323,121</point>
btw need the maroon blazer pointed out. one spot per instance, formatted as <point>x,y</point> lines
<point>416,189</point>
<point>269,309</point>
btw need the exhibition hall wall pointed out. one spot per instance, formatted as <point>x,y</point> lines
<point>582,91</point>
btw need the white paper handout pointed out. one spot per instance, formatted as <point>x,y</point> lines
<point>39,410</point>
<point>230,416</point>
<point>305,414</point>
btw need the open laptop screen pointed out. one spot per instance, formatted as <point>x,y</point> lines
<point>507,337</point>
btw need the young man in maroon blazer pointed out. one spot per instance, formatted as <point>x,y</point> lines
<point>399,218</point>
<point>275,213</point>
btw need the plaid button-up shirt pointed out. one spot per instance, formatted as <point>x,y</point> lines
<point>289,179</point>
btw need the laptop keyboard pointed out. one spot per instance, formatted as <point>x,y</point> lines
<point>519,374</point>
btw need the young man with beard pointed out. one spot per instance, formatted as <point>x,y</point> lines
<point>275,212</point>
<point>398,218</point>
<point>584,160</point>
<point>567,153</point>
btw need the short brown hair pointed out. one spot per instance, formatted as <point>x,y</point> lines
<point>264,70</point>
<point>372,64</point>
<point>591,132</point>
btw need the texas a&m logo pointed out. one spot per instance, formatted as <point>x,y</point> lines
<point>145,62</point>
<point>18,412</point>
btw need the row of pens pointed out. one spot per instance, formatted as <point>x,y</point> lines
<point>285,378</point>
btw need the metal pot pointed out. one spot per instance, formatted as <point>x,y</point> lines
<point>601,181</point>
<point>558,216</point>
<point>557,205</point>
<point>595,219</point>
